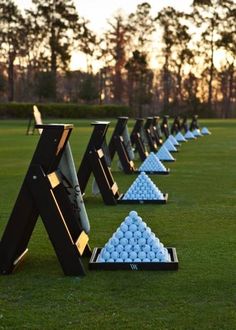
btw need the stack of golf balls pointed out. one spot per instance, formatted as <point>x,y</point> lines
<point>152,163</point>
<point>197,132</point>
<point>134,241</point>
<point>180,138</point>
<point>143,188</point>
<point>164,154</point>
<point>169,145</point>
<point>189,136</point>
<point>205,131</point>
<point>173,140</point>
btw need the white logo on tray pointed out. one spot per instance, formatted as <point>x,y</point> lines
<point>133,266</point>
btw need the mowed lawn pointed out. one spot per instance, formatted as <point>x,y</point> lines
<point>199,219</point>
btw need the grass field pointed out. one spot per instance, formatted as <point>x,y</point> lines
<point>199,220</point>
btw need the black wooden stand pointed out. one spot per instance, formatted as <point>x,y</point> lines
<point>136,139</point>
<point>165,126</point>
<point>94,162</point>
<point>149,130</point>
<point>117,144</point>
<point>43,194</point>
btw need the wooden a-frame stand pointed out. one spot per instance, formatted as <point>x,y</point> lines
<point>194,123</point>
<point>165,126</point>
<point>94,162</point>
<point>117,144</point>
<point>136,139</point>
<point>157,130</point>
<point>43,194</point>
<point>151,137</point>
<point>176,126</point>
<point>184,125</point>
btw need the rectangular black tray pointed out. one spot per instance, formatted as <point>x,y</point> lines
<point>144,201</point>
<point>172,265</point>
<point>155,172</point>
<point>168,160</point>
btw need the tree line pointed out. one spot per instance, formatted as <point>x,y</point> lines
<point>37,44</point>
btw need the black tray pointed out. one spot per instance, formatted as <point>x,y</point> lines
<point>172,265</point>
<point>157,172</point>
<point>144,201</point>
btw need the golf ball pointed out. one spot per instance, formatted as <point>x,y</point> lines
<point>119,234</point>
<point>133,214</point>
<point>133,227</point>
<point>128,248</point>
<point>115,255</point>
<point>124,227</point>
<point>128,234</point>
<point>133,255</point>
<point>137,234</point>
<point>119,248</point>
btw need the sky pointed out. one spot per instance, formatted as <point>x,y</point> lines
<point>98,11</point>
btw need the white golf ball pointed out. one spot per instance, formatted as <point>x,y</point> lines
<point>105,255</point>
<point>124,227</point>
<point>141,255</point>
<point>128,248</point>
<point>133,214</point>
<point>133,241</point>
<point>114,241</point>
<point>119,248</point>
<point>136,248</point>
<point>124,255</point>
<point>146,248</point>
<point>110,248</point>
<point>142,241</point>
<point>128,234</point>
<point>119,234</point>
<point>137,234</point>
<point>123,241</point>
<point>133,255</point>
<point>142,226</point>
<point>151,255</point>
<point>133,227</point>
<point>115,255</point>
<point>128,220</point>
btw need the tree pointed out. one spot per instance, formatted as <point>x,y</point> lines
<point>227,42</point>
<point>141,28</point>
<point>208,16</point>
<point>176,51</point>
<point>89,89</point>
<point>12,36</point>
<point>57,21</point>
<point>140,79</point>
<point>114,49</point>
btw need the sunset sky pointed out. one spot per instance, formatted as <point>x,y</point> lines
<point>99,11</point>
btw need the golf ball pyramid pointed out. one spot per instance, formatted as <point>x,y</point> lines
<point>205,131</point>
<point>143,188</point>
<point>134,241</point>
<point>169,145</point>
<point>197,133</point>
<point>180,138</point>
<point>189,136</point>
<point>152,163</point>
<point>173,140</point>
<point>164,154</point>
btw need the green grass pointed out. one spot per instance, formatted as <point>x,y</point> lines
<point>199,220</point>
